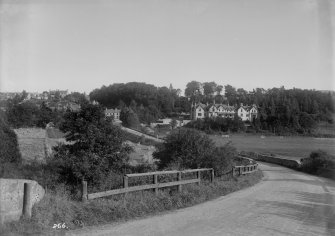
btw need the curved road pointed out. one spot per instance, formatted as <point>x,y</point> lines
<point>286,202</point>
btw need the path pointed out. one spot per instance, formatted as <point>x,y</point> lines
<point>137,133</point>
<point>286,202</point>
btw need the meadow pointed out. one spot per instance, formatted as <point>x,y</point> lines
<point>292,147</point>
<point>31,143</point>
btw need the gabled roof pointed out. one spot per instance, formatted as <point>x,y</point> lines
<point>248,108</point>
<point>203,106</point>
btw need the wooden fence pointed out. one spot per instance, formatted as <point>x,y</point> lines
<point>237,170</point>
<point>242,170</point>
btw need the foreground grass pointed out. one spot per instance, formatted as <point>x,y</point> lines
<point>58,208</point>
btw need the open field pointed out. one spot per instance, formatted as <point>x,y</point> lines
<point>54,133</point>
<point>31,143</point>
<point>294,147</point>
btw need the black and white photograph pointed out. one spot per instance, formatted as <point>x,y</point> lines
<point>167,117</point>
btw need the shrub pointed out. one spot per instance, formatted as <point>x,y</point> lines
<point>185,147</point>
<point>191,149</point>
<point>9,150</point>
<point>318,159</point>
<point>96,147</point>
<point>221,160</point>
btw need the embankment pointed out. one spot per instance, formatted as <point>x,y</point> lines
<point>294,164</point>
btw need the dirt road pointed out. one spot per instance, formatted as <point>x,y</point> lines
<point>286,202</point>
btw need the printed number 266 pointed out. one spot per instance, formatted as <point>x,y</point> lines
<point>59,226</point>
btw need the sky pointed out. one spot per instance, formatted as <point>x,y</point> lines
<point>81,45</point>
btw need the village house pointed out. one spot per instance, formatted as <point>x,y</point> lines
<point>200,111</point>
<point>113,113</point>
<point>247,113</point>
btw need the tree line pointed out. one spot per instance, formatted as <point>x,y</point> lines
<point>281,111</point>
<point>21,112</point>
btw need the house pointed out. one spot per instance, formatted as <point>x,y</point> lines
<point>247,113</point>
<point>62,93</point>
<point>115,113</point>
<point>200,111</point>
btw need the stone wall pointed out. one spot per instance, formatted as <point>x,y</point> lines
<point>11,197</point>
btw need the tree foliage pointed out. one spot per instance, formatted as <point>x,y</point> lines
<point>9,149</point>
<point>191,149</point>
<point>218,124</point>
<point>96,146</point>
<point>147,101</point>
<point>318,159</point>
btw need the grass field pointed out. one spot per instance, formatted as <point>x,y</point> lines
<point>293,147</point>
<point>31,143</point>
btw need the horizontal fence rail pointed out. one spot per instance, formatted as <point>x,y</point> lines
<point>242,170</point>
<point>236,170</point>
<point>155,185</point>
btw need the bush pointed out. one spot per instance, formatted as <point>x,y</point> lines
<point>317,159</point>
<point>96,148</point>
<point>191,149</point>
<point>9,149</point>
<point>221,160</point>
<point>185,147</point>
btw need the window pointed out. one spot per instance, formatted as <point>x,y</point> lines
<point>199,114</point>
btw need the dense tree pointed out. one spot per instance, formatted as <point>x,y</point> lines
<point>129,118</point>
<point>231,94</point>
<point>209,88</point>
<point>194,91</point>
<point>96,146</point>
<point>22,114</point>
<point>9,149</point>
<point>156,101</point>
<point>186,148</point>
<point>45,116</point>
<point>190,149</point>
<point>280,110</point>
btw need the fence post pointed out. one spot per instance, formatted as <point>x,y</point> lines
<point>84,190</point>
<point>26,209</point>
<point>125,181</point>
<point>233,171</point>
<point>179,179</point>
<point>198,177</point>
<point>156,182</point>
<point>240,171</point>
<point>212,175</point>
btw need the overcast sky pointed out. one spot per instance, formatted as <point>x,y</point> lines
<point>82,45</point>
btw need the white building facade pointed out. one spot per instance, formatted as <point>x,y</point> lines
<point>246,113</point>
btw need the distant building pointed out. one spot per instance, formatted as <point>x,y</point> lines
<point>247,113</point>
<point>62,93</point>
<point>200,111</point>
<point>113,113</point>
